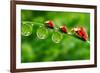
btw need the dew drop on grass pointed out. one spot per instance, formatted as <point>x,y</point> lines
<point>26,29</point>
<point>42,32</point>
<point>57,37</point>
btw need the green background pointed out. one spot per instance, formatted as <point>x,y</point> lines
<point>70,48</point>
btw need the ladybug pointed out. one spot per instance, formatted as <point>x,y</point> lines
<point>80,32</point>
<point>63,29</point>
<point>49,24</point>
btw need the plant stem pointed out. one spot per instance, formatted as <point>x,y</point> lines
<point>31,22</point>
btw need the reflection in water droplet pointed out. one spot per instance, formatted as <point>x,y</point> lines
<point>42,33</point>
<point>26,29</point>
<point>57,37</point>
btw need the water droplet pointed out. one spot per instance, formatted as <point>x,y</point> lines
<point>26,29</point>
<point>42,33</point>
<point>57,37</point>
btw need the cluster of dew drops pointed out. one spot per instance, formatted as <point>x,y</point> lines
<point>41,32</point>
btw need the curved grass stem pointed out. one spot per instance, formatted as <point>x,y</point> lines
<point>31,22</point>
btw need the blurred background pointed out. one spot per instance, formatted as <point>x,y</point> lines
<point>41,44</point>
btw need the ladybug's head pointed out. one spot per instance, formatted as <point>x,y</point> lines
<point>74,29</point>
<point>47,22</point>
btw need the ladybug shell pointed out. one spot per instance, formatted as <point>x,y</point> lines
<point>49,23</point>
<point>81,32</point>
<point>63,29</point>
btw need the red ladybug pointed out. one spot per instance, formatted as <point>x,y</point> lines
<point>63,29</point>
<point>49,23</point>
<point>80,32</point>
